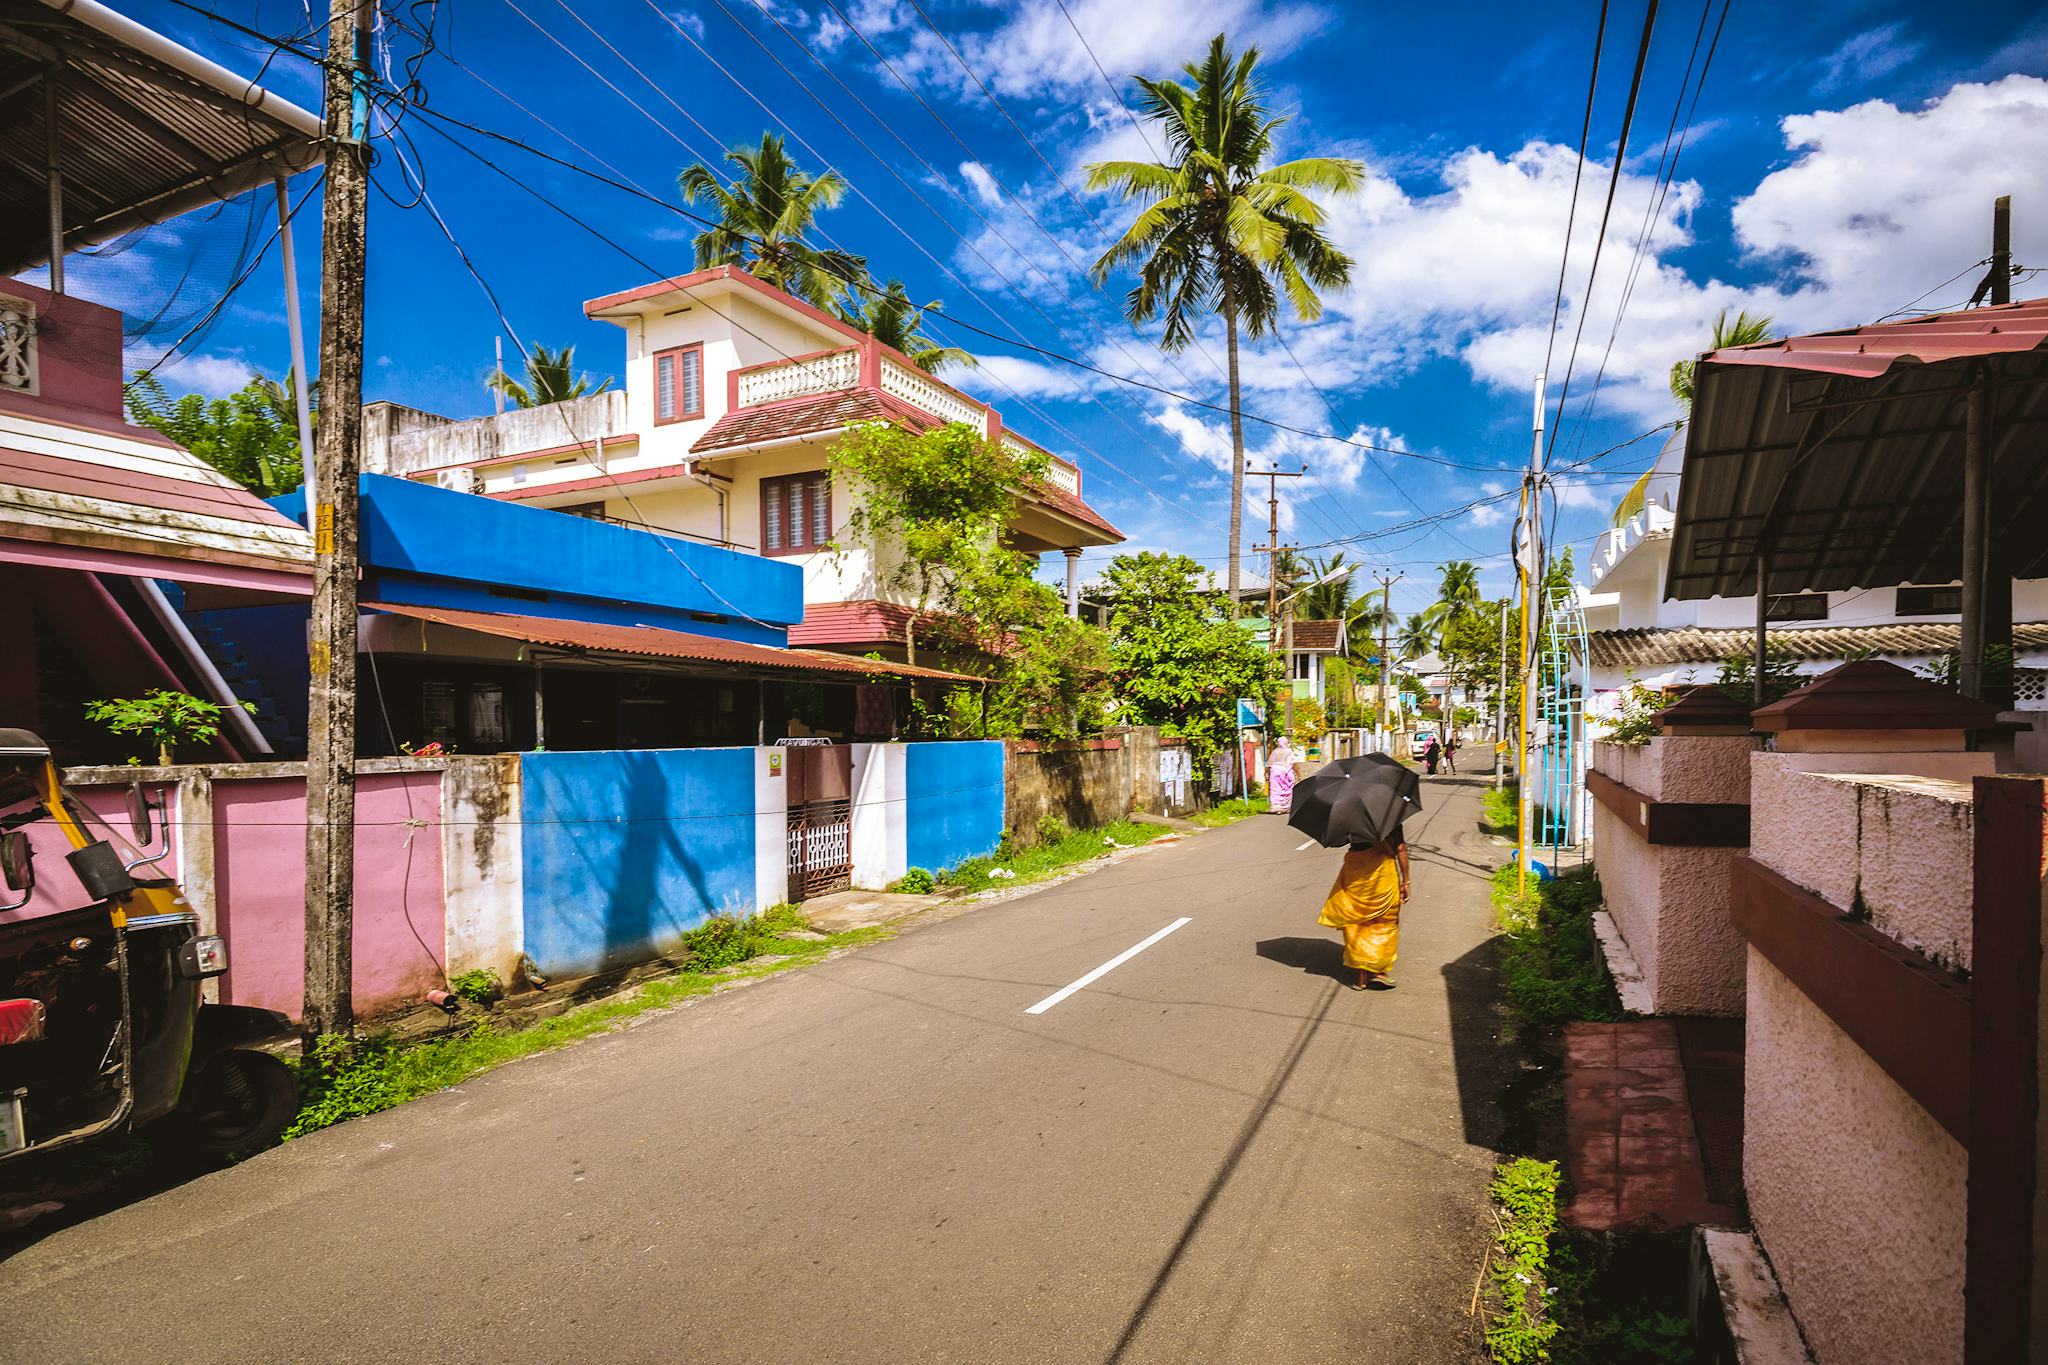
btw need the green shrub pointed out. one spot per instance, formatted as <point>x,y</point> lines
<point>1637,724</point>
<point>1052,829</point>
<point>1497,809</point>
<point>723,941</point>
<point>916,882</point>
<point>478,986</point>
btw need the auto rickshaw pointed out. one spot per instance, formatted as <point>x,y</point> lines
<point>103,1024</point>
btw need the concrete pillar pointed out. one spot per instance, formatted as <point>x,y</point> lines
<point>1073,582</point>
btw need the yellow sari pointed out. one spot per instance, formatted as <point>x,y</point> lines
<point>1365,903</point>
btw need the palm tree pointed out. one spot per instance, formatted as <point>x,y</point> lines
<point>1457,595</point>
<point>1743,331</point>
<point>550,378</point>
<point>281,397</point>
<point>1330,597</point>
<point>1417,637</point>
<point>764,215</point>
<point>1220,228</point>
<point>892,319</point>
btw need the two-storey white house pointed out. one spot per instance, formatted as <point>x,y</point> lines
<point>1633,630</point>
<point>733,394</point>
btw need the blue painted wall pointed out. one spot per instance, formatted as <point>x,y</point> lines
<point>622,851</point>
<point>953,800</point>
<point>431,546</point>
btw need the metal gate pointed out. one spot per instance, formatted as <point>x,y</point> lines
<point>820,787</point>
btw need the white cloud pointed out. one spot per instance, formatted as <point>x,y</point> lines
<point>1034,54</point>
<point>999,375</point>
<point>983,184</point>
<point>1869,55</point>
<point>212,375</point>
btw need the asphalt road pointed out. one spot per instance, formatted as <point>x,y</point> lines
<point>1213,1152</point>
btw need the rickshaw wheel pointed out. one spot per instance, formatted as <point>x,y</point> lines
<point>236,1103</point>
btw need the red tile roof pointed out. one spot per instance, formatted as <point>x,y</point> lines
<point>825,413</point>
<point>1865,352</point>
<point>654,642</point>
<point>1070,505</point>
<point>850,623</point>
<point>1314,636</point>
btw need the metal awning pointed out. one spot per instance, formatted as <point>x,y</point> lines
<point>146,129</point>
<point>654,642</point>
<point>1841,455</point>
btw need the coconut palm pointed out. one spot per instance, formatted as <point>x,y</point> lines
<point>1417,638</point>
<point>1222,231</point>
<point>1330,597</point>
<point>1743,331</point>
<point>887,314</point>
<point>1457,595</point>
<point>550,378</point>
<point>765,215</point>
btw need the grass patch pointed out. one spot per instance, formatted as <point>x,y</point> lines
<point>1577,1298</point>
<point>1497,809</point>
<point>1230,812</point>
<point>1550,964</point>
<point>345,1079</point>
<point>1043,859</point>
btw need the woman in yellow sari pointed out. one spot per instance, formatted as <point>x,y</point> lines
<point>1366,904</point>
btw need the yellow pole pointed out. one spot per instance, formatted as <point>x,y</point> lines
<point>1522,724</point>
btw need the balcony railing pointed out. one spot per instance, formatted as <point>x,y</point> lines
<point>825,372</point>
<point>920,390</point>
<point>1059,473</point>
<point>17,345</point>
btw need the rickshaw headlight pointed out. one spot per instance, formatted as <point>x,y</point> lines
<point>204,956</point>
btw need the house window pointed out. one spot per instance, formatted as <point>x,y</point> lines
<point>1301,665</point>
<point>796,513</point>
<point>1930,601</point>
<point>1798,606</point>
<point>679,384</point>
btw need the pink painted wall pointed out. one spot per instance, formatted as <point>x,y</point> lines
<point>78,357</point>
<point>260,852</point>
<point>57,889</point>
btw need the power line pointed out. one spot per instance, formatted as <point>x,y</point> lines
<point>1578,170</point>
<point>1628,114</point>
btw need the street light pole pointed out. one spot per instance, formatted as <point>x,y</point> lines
<point>1500,700</point>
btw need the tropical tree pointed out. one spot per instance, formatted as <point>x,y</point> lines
<point>1457,597</point>
<point>243,435</point>
<point>765,215</point>
<point>550,378</point>
<point>887,314</point>
<point>1329,599</point>
<point>1222,232</point>
<point>1417,638</point>
<point>1744,330</point>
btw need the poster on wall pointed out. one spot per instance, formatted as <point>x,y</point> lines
<point>487,714</point>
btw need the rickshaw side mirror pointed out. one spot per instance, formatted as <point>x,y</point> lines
<point>99,870</point>
<point>17,861</point>
<point>141,815</point>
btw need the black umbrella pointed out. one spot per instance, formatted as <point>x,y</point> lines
<point>1355,800</point>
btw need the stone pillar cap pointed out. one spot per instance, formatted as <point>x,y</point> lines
<point>1705,709</point>
<point>1871,694</point>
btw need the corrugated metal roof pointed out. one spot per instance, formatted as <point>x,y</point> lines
<point>1651,648</point>
<point>654,642</point>
<point>1844,451</point>
<point>147,129</point>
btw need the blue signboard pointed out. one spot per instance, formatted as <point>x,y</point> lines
<point>1249,715</point>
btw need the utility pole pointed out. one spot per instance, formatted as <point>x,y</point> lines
<point>1386,582</point>
<point>498,379</point>
<point>1500,700</point>
<point>332,516</point>
<point>1273,547</point>
<point>1529,565</point>
<point>1987,611</point>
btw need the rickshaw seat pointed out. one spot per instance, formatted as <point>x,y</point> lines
<point>21,1021</point>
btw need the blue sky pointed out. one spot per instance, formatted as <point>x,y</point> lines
<point>1840,163</point>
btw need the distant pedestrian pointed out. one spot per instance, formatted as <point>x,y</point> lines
<point>1280,778</point>
<point>1365,903</point>
<point>1432,754</point>
<point>1450,753</point>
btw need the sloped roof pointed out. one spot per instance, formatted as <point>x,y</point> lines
<point>1317,636</point>
<point>825,414</point>
<point>850,623</point>
<point>654,642</point>
<point>1650,648</point>
<point>1069,504</point>
<point>1843,451</point>
<point>118,491</point>
<point>149,129</point>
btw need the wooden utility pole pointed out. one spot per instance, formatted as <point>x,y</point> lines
<point>1272,547</point>
<point>1985,669</point>
<point>331,703</point>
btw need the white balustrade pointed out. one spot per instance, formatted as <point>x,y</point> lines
<point>919,389</point>
<point>1058,473</point>
<point>825,373</point>
<point>17,345</point>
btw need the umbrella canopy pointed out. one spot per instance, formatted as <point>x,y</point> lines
<point>1355,800</point>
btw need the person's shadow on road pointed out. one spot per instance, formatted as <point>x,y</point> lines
<point>1316,956</point>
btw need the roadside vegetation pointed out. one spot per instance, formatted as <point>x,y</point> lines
<point>1057,848</point>
<point>1550,1293</point>
<point>1497,809</point>
<point>344,1079</point>
<point>1230,812</point>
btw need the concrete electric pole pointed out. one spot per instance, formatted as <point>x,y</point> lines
<point>1529,564</point>
<point>331,514</point>
<point>1386,582</point>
